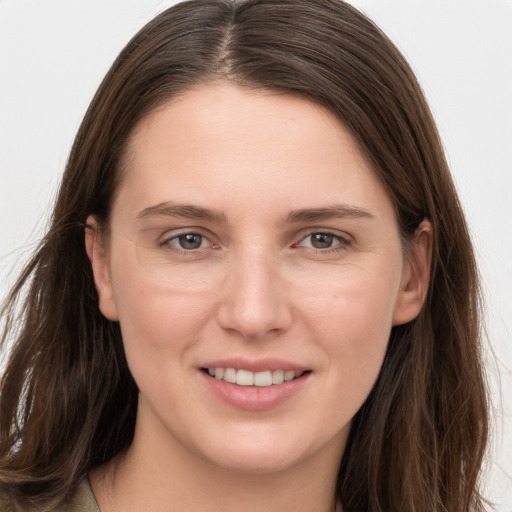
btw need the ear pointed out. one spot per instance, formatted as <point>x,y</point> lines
<point>94,245</point>
<point>415,277</point>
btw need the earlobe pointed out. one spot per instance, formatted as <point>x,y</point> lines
<point>416,276</point>
<point>100,269</point>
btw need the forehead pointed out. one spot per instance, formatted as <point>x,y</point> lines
<point>254,146</point>
<point>225,116</point>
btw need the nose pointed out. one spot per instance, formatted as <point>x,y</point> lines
<point>255,298</point>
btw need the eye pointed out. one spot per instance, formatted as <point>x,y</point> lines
<point>323,240</point>
<point>186,241</point>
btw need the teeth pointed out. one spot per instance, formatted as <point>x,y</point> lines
<point>230,375</point>
<point>244,378</point>
<point>277,377</point>
<point>247,378</point>
<point>289,375</point>
<point>263,378</point>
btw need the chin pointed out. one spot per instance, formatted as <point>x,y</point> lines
<point>255,461</point>
<point>264,451</point>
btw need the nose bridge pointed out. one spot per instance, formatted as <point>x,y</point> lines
<point>254,298</point>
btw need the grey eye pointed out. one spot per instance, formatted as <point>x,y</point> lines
<point>189,241</point>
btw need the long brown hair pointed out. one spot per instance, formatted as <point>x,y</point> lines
<point>68,402</point>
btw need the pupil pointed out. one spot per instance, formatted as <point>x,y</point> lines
<point>321,240</point>
<point>190,241</point>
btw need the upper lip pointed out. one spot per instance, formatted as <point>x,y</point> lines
<point>255,365</point>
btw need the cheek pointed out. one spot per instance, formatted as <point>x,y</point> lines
<point>353,300</point>
<point>160,320</point>
<point>158,324</point>
<point>352,321</point>
<point>160,332</point>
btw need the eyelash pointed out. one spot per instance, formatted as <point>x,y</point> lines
<point>167,242</point>
<point>342,242</point>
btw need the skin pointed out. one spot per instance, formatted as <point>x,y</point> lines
<point>255,287</point>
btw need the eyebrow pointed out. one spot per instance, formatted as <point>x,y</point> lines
<point>339,211</point>
<point>190,211</point>
<point>186,211</point>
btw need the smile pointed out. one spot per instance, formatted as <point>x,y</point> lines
<point>247,378</point>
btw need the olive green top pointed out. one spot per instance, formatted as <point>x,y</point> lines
<point>82,501</point>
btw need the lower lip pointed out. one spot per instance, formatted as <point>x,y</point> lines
<point>255,398</point>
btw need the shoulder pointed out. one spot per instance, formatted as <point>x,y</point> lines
<point>82,501</point>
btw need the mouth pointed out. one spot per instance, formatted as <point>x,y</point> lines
<point>262,379</point>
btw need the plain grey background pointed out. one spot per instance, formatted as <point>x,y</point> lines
<point>53,55</point>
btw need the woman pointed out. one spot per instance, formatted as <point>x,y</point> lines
<point>258,289</point>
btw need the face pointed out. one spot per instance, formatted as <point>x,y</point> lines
<point>255,266</point>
